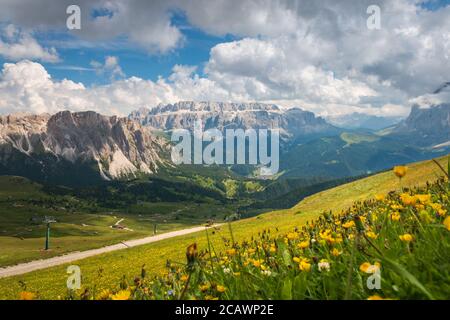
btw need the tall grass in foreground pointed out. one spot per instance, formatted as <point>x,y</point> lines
<point>401,239</point>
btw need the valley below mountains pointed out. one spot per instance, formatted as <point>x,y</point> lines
<point>110,178</point>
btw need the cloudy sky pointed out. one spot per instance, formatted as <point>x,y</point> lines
<point>318,55</point>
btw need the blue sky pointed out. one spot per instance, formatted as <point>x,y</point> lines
<point>75,62</point>
<point>319,56</point>
<point>194,50</point>
<point>435,4</point>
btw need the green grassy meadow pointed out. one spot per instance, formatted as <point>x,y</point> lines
<point>107,270</point>
<point>24,205</point>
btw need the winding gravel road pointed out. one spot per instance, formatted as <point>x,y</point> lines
<point>78,255</point>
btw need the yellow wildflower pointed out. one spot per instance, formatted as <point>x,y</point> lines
<point>220,288</point>
<point>184,277</point>
<point>423,198</point>
<point>305,265</point>
<point>397,207</point>
<point>231,252</point>
<point>379,197</point>
<point>407,199</point>
<point>371,234</point>
<point>256,263</point>
<point>26,295</point>
<point>367,267</point>
<point>395,216</point>
<point>335,252</point>
<point>303,244</point>
<point>204,287</point>
<point>438,207</point>
<point>447,223</point>
<point>375,297</point>
<point>122,295</point>
<point>400,171</point>
<point>292,235</point>
<point>419,206</point>
<point>406,237</point>
<point>104,294</point>
<point>348,224</point>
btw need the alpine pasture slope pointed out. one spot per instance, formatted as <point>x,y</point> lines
<point>107,270</point>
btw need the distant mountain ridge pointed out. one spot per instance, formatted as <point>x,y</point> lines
<point>357,120</point>
<point>427,127</point>
<point>428,124</point>
<point>293,123</point>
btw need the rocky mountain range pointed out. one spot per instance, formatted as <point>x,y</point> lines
<point>293,123</point>
<point>428,124</point>
<point>85,146</point>
<point>77,145</point>
<point>427,127</point>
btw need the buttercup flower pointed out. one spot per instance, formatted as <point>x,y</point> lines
<point>26,295</point>
<point>305,265</point>
<point>104,294</point>
<point>220,288</point>
<point>204,287</point>
<point>184,277</point>
<point>447,223</point>
<point>349,224</point>
<point>292,235</point>
<point>423,198</point>
<point>406,237</point>
<point>400,171</point>
<point>367,267</point>
<point>303,244</point>
<point>395,216</point>
<point>335,252</point>
<point>371,234</point>
<point>407,199</point>
<point>122,295</point>
<point>438,207</point>
<point>256,263</point>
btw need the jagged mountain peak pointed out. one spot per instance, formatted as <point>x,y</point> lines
<point>293,123</point>
<point>212,106</point>
<point>426,127</point>
<point>114,146</point>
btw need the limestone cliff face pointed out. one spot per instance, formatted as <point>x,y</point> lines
<point>293,123</point>
<point>428,124</point>
<point>118,147</point>
<point>427,127</point>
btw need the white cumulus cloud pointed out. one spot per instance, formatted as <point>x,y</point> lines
<point>318,55</point>
<point>16,44</point>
